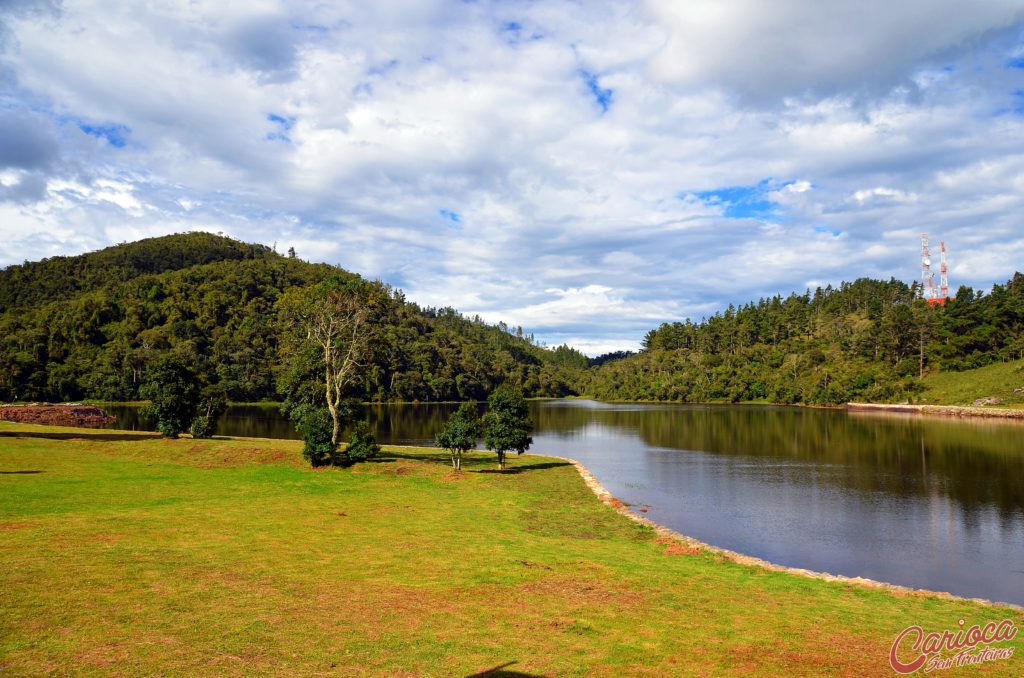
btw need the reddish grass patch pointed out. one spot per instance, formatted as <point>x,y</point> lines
<point>236,456</point>
<point>677,548</point>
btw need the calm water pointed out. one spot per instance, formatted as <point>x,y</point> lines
<point>928,503</point>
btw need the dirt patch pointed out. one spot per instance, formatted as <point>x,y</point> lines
<point>81,416</point>
<point>578,591</point>
<point>674,547</point>
<point>237,456</point>
<point>14,526</point>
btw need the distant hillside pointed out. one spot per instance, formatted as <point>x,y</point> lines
<point>87,327</point>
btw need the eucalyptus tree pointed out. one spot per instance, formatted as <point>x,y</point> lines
<point>332,330</point>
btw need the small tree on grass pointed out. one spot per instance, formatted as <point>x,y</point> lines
<point>460,433</point>
<point>507,424</point>
<point>315,426</point>
<point>212,404</point>
<point>173,392</point>
<point>363,445</point>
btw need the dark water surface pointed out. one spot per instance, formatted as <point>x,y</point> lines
<point>929,503</point>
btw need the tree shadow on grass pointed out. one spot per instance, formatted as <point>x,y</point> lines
<point>470,464</point>
<point>526,467</point>
<point>85,435</point>
<point>501,670</point>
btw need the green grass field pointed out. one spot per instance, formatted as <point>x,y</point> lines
<point>963,388</point>
<point>126,554</point>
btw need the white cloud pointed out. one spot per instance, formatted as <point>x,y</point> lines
<point>770,50</point>
<point>538,163</point>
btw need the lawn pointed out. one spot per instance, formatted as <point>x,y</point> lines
<point>122,553</point>
<point>998,380</point>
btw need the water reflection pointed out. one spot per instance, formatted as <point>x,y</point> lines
<point>931,503</point>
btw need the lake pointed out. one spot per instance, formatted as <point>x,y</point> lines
<point>923,502</point>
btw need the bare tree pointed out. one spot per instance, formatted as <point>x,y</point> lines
<point>338,319</point>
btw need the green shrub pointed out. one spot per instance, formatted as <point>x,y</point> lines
<point>211,406</point>
<point>315,426</point>
<point>363,444</point>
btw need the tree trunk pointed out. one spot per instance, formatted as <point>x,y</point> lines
<point>331,405</point>
<point>921,358</point>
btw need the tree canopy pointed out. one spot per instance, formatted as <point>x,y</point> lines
<point>507,424</point>
<point>460,433</point>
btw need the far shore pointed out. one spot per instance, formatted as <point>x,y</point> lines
<point>1011,411</point>
<point>940,410</point>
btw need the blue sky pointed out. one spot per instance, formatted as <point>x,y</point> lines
<point>585,170</point>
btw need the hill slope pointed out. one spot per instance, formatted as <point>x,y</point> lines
<point>87,327</point>
<point>1004,381</point>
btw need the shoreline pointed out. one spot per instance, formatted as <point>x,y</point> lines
<point>952,411</point>
<point>955,411</point>
<point>608,499</point>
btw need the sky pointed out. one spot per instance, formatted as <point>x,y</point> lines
<point>587,170</point>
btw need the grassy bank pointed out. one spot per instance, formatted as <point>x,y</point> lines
<point>998,380</point>
<point>123,552</point>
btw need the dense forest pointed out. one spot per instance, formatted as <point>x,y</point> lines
<point>866,340</point>
<point>88,326</point>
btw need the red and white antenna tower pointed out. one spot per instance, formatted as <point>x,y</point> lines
<point>927,279</point>
<point>943,279</point>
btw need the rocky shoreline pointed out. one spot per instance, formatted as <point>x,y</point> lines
<point>939,410</point>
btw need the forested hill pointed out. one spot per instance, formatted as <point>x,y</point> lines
<point>866,340</point>
<point>28,284</point>
<point>87,327</point>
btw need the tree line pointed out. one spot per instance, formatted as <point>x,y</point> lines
<point>866,340</point>
<point>94,326</point>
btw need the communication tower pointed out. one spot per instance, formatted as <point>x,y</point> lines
<point>927,278</point>
<point>943,278</point>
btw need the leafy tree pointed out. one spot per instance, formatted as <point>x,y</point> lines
<point>212,404</point>
<point>507,424</point>
<point>460,433</point>
<point>315,426</point>
<point>173,392</point>
<point>363,444</point>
